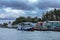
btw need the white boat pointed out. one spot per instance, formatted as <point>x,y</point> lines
<point>26,27</point>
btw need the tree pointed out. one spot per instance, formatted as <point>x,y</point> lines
<point>53,15</point>
<point>43,17</point>
<point>5,24</point>
<point>25,19</point>
<point>39,19</point>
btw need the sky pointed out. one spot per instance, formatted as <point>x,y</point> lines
<point>12,9</point>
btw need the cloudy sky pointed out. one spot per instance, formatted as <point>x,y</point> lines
<point>12,9</point>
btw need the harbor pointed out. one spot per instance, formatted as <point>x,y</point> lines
<point>40,26</point>
<point>29,19</point>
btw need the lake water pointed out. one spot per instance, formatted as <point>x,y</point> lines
<point>13,34</point>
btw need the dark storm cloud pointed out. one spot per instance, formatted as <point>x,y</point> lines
<point>16,5</point>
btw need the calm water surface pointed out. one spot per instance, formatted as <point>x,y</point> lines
<point>13,34</point>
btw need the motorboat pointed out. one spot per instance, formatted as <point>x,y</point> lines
<point>26,27</point>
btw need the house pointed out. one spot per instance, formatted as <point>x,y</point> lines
<point>9,24</point>
<point>39,25</point>
<point>52,24</point>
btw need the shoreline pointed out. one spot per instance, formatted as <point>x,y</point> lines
<point>41,29</point>
<point>38,29</point>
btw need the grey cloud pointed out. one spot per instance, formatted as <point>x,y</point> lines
<point>24,5</point>
<point>16,5</point>
<point>48,4</point>
<point>7,18</point>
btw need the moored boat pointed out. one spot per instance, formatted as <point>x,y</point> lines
<point>26,27</point>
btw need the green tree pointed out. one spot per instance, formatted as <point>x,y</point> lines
<point>53,15</point>
<point>5,24</point>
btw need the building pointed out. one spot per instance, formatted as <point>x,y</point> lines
<point>9,24</point>
<point>52,24</point>
<point>39,25</point>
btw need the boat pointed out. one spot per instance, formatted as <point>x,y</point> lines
<point>26,27</point>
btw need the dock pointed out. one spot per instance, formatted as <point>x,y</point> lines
<point>46,29</point>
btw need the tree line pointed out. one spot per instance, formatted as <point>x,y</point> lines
<point>27,19</point>
<point>53,15</point>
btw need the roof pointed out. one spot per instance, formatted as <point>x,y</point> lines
<point>53,21</point>
<point>40,22</point>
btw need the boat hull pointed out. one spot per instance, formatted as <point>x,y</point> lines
<point>29,29</point>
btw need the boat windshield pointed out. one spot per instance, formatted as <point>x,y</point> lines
<point>27,25</point>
